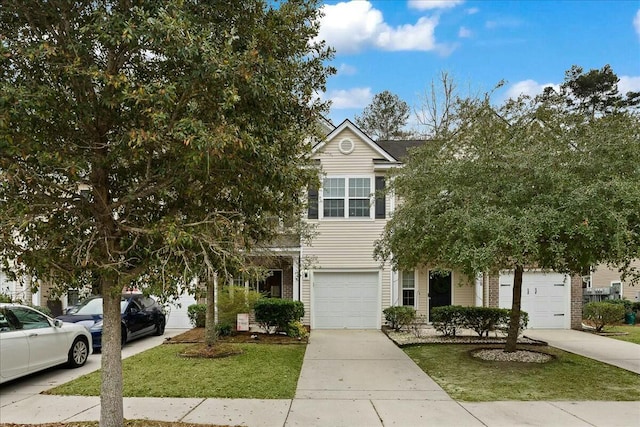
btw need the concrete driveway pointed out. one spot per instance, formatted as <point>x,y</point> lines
<point>361,378</point>
<point>625,355</point>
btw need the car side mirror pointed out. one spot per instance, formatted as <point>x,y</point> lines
<point>57,323</point>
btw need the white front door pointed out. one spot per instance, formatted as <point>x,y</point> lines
<point>346,300</point>
<point>545,297</point>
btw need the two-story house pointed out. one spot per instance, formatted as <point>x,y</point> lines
<point>342,285</point>
<point>335,274</point>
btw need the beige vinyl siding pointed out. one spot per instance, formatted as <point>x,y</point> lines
<point>423,291</point>
<point>360,161</point>
<point>345,244</point>
<point>464,291</point>
<point>603,276</point>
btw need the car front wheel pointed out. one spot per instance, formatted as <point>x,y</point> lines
<point>78,353</point>
<point>160,327</point>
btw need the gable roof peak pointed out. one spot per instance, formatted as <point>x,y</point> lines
<point>348,124</point>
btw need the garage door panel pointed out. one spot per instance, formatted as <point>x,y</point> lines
<point>346,300</point>
<point>544,298</point>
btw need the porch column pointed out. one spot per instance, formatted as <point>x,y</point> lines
<point>479,290</point>
<point>394,287</point>
<point>296,277</point>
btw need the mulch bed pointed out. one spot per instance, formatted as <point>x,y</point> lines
<point>196,335</point>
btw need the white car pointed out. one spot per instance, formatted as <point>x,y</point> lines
<point>31,341</point>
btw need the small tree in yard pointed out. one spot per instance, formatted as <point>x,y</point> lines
<point>528,183</point>
<point>151,141</point>
<point>603,313</point>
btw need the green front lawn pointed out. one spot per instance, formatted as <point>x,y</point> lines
<point>263,371</point>
<point>568,377</point>
<point>632,333</point>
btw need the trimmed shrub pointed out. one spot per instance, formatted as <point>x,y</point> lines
<point>275,314</point>
<point>233,300</point>
<point>399,317</point>
<point>603,313</point>
<point>5,297</point>
<point>447,319</point>
<point>483,320</point>
<point>43,309</point>
<point>297,330</point>
<point>197,315</point>
<point>505,319</point>
<point>627,304</point>
<point>224,329</point>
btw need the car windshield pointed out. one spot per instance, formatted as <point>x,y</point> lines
<point>94,306</point>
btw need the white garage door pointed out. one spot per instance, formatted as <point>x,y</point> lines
<point>178,316</point>
<point>346,301</point>
<point>545,296</point>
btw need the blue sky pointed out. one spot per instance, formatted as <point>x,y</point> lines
<point>401,46</point>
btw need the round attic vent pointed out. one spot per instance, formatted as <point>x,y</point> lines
<point>346,146</point>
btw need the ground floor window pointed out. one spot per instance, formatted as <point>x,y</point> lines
<point>408,288</point>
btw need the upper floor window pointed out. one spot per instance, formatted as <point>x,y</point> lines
<point>351,193</point>
<point>348,197</point>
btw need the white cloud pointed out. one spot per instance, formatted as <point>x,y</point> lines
<point>528,87</point>
<point>433,4</point>
<point>346,70</point>
<point>628,84</point>
<point>352,26</point>
<point>636,22</point>
<point>408,37</point>
<point>357,97</point>
<point>472,10</point>
<point>464,33</point>
<point>504,22</point>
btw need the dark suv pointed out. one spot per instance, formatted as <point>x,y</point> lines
<point>141,316</point>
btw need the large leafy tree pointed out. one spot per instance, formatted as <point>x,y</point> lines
<point>385,117</point>
<point>139,138</point>
<point>524,184</point>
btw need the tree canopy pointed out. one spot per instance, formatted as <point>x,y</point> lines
<point>527,183</point>
<point>385,117</point>
<point>595,91</point>
<point>137,136</point>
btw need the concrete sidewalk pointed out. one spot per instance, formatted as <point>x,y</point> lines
<point>625,355</point>
<point>330,413</point>
<point>348,378</point>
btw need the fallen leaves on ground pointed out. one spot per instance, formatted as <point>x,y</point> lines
<point>127,423</point>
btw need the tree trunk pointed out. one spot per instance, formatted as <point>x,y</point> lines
<point>514,321</point>
<point>210,335</point>
<point>111,412</point>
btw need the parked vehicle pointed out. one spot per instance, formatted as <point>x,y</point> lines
<point>141,316</point>
<point>31,341</point>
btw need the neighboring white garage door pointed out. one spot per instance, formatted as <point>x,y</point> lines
<point>179,317</point>
<point>545,296</point>
<point>346,301</point>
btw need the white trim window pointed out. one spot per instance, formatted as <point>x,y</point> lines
<point>346,197</point>
<point>333,197</point>
<point>408,288</point>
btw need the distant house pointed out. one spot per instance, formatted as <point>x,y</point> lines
<point>605,277</point>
